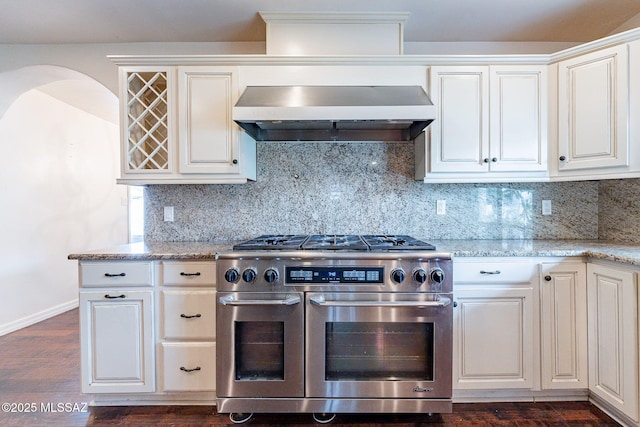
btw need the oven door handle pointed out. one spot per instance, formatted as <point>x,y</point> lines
<point>321,301</point>
<point>289,300</point>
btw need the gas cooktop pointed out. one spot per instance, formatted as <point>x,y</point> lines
<point>334,242</point>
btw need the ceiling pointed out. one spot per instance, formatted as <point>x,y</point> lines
<point>118,21</point>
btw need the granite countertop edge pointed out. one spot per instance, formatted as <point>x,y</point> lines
<point>627,253</point>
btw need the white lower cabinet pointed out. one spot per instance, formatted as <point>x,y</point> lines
<point>189,366</point>
<point>563,326</point>
<point>116,334</point>
<point>494,324</point>
<point>613,337</point>
<point>187,327</point>
<point>148,331</point>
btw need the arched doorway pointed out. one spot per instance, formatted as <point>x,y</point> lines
<point>59,145</point>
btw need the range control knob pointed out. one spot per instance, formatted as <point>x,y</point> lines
<point>271,275</point>
<point>249,275</point>
<point>397,275</point>
<point>232,275</point>
<point>420,276</point>
<point>437,275</point>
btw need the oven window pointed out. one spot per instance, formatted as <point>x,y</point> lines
<point>371,351</point>
<point>259,348</point>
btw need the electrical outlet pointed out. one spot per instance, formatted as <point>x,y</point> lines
<point>546,207</point>
<point>441,207</point>
<point>168,213</point>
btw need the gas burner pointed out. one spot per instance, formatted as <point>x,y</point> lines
<point>335,242</point>
<point>273,242</point>
<point>396,242</point>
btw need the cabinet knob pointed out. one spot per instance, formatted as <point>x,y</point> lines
<point>494,159</point>
<point>563,158</point>
<point>235,161</point>
<point>547,278</point>
<point>486,160</point>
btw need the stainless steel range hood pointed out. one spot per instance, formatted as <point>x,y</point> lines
<point>334,113</point>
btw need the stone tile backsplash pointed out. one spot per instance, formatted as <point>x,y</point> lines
<point>365,188</point>
<point>619,210</point>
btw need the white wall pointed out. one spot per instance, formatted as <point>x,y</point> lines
<point>91,59</point>
<point>57,188</point>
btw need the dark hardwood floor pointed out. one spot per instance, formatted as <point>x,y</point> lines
<point>40,386</point>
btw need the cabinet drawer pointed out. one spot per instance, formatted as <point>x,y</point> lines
<point>189,314</point>
<point>479,271</point>
<point>115,273</point>
<point>188,273</point>
<point>189,366</point>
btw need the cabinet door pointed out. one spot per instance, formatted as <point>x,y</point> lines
<point>518,116</point>
<point>208,136</point>
<point>146,115</point>
<point>593,98</point>
<point>613,341</point>
<point>563,316</point>
<point>116,341</point>
<point>493,337</point>
<point>460,133</point>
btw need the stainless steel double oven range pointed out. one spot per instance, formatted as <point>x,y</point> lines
<point>330,324</point>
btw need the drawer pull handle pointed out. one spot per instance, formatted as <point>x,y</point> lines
<point>197,273</point>
<point>197,368</point>
<point>190,316</point>
<point>107,296</point>
<point>489,272</point>
<point>115,275</point>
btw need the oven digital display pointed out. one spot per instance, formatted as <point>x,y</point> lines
<point>334,274</point>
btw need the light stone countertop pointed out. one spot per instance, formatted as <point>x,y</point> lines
<point>627,253</point>
<point>155,251</point>
<point>614,251</point>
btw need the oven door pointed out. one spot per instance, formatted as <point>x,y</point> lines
<point>379,345</point>
<point>260,345</point>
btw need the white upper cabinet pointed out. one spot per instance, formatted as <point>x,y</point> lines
<point>518,118</point>
<point>593,110</point>
<point>207,134</point>
<point>491,124</point>
<point>177,127</point>
<point>146,108</point>
<point>460,133</point>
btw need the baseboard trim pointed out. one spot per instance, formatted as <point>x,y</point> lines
<point>32,319</point>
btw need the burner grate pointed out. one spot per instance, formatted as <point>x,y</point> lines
<point>334,242</point>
